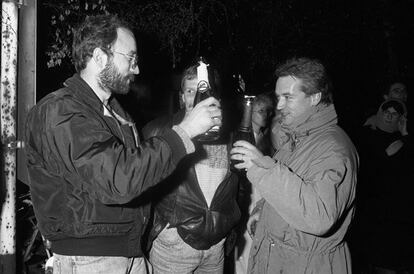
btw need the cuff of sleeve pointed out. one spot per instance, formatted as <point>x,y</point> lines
<point>188,144</point>
<point>260,164</point>
<point>264,162</point>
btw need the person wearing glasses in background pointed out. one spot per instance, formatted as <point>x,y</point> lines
<point>87,167</point>
<point>384,236</point>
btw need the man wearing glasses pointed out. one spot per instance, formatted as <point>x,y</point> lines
<point>87,166</point>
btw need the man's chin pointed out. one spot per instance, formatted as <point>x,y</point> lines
<point>124,89</point>
<point>121,91</point>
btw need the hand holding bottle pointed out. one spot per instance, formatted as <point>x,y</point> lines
<point>202,117</point>
<point>244,152</point>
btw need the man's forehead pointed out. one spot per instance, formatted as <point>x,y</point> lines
<point>191,82</point>
<point>287,85</point>
<point>260,105</point>
<point>391,110</point>
<point>397,86</point>
<point>125,41</point>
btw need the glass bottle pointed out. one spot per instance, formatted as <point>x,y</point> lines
<point>205,90</point>
<point>245,130</point>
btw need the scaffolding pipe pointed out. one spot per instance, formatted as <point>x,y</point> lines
<point>9,31</point>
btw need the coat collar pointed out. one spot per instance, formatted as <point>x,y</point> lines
<point>81,90</point>
<point>323,117</point>
<point>84,92</point>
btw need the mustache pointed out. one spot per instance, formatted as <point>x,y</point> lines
<point>131,78</point>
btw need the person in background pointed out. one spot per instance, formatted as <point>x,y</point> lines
<point>263,107</point>
<point>308,187</point>
<point>198,206</point>
<point>87,168</point>
<point>385,220</point>
<point>396,90</point>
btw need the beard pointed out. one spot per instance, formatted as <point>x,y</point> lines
<point>111,79</point>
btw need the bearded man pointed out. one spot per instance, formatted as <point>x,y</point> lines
<point>87,167</point>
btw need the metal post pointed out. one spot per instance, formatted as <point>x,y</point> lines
<point>9,31</point>
<point>26,77</point>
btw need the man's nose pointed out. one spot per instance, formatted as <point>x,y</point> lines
<point>135,70</point>
<point>280,104</point>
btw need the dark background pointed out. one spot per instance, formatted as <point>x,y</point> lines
<point>365,45</point>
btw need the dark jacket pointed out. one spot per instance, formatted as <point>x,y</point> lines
<point>182,203</point>
<point>86,171</point>
<point>385,200</point>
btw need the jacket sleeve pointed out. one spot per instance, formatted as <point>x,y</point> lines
<point>72,145</point>
<point>312,203</point>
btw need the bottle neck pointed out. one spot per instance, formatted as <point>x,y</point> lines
<point>246,122</point>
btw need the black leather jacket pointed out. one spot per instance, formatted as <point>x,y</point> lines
<point>182,204</point>
<point>86,171</point>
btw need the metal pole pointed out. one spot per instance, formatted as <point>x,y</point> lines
<point>9,22</point>
<point>26,77</point>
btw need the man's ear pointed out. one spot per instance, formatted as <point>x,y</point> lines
<point>100,58</point>
<point>316,98</point>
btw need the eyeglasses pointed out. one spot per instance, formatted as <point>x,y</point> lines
<point>391,113</point>
<point>132,59</point>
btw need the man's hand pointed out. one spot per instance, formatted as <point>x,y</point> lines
<point>202,117</point>
<point>244,152</point>
<point>252,223</point>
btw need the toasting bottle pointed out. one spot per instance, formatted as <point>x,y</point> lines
<point>245,130</point>
<point>205,90</point>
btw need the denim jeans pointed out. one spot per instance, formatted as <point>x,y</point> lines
<point>90,265</point>
<point>170,254</point>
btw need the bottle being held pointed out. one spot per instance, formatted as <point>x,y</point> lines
<point>245,130</point>
<point>205,90</point>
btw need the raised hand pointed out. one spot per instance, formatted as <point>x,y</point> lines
<point>244,152</point>
<point>202,117</point>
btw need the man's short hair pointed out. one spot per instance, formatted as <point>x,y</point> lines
<point>98,31</point>
<point>189,73</point>
<point>264,99</point>
<point>312,74</point>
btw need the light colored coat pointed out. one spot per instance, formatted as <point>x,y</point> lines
<point>308,191</point>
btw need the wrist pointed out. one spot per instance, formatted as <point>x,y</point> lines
<point>187,129</point>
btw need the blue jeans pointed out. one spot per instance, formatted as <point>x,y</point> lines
<point>90,265</point>
<point>170,254</point>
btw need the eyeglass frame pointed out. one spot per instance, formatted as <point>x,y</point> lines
<point>394,114</point>
<point>132,59</point>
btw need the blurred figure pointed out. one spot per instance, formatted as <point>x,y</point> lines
<point>196,208</point>
<point>396,90</point>
<point>385,216</point>
<point>262,115</point>
<point>308,187</point>
<point>263,106</point>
